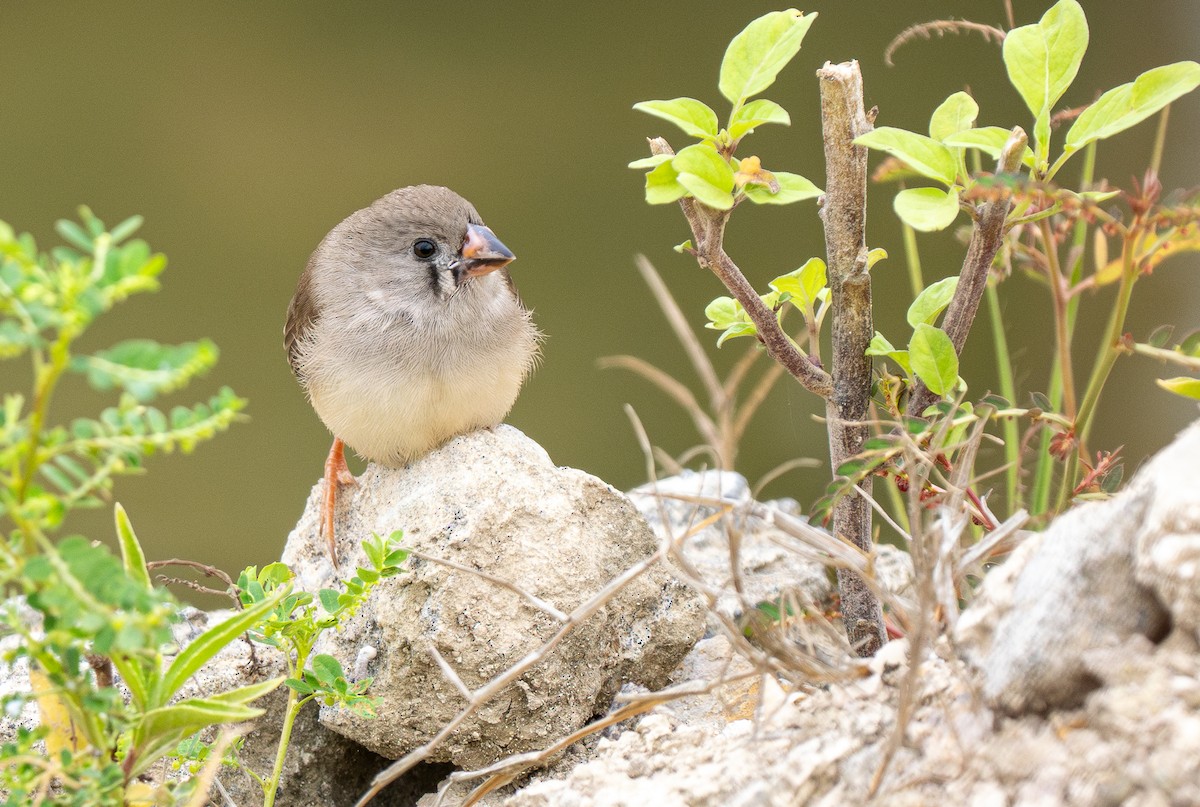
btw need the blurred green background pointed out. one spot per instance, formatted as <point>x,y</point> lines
<point>243,132</point>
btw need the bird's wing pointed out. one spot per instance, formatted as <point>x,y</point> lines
<point>301,316</point>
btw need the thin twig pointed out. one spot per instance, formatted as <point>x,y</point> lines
<point>708,231</point>
<point>926,30</point>
<point>986,237</point>
<point>683,332</point>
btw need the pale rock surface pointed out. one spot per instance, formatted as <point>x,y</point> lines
<point>493,501</point>
<point>767,561</point>
<point>1102,574</point>
<point>1132,739</point>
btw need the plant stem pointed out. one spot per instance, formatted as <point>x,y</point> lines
<point>844,215</point>
<point>1062,336</point>
<point>1008,388</point>
<point>294,704</point>
<point>986,237</point>
<point>912,259</point>
<point>1110,347</point>
<point>708,230</point>
<point>1160,140</point>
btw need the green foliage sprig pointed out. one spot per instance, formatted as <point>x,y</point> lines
<point>707,171</point>
<point>82,612</point>
<point>1041,61</point>
<point>47,301</point>
<point>296,620</point>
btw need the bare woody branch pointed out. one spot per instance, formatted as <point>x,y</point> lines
<point>708,234</point>
<point>844,214</point>
<point>986,237</point>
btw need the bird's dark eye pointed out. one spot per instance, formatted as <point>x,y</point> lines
<point>424,248</point>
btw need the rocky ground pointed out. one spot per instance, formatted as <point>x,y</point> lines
<point>1072,679</point>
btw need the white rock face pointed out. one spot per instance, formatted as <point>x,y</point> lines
<point>1096,621</point>
<point>1102,575</point>
<point>493,501</point>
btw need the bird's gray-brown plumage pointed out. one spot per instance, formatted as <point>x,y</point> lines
<point>398,350</point>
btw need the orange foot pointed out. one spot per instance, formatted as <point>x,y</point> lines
<point>336,473</point>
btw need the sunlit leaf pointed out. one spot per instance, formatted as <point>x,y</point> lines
<point>1042,60</point>
<point>932,300</point>
<point>755,114</point>
<point>705,174</point>
<point>1130,104</point>
<point>1187,387</point>
<point>792,188</point>
<point>804,284</point>
<point>988,139</point>
<point>925,155</point>
<point>957,113</point>
<point>757,54</point>
<point>693,117</point>
<point>880,346</point>
<point>742,329</point>
<point>927,209</point>
<point>662,185</point>
<point>653,161</point>
<point>933,358</point>
<point>132,556</point>
<point>723,312</point>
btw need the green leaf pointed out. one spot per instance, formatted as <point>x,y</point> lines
<point>131,551</point>
<point>327,669</point>
<point>1042,60</point>
<point>705,174</point>
<point>692,116</point>
<point>1130,104</point>
<point>734,331</point>
<point>1190,344</point>
<point>144,368</point>
<point>202,649</point>
<point>804,284</point>
<point>988,139</point>
<point>662,185</point>
<point>880,346</point>
<point>247,693</point>
<point>193,714</point>
<point>755,114</point>
<point>932,300</point>
<point>927,209</point>
<point>1160,336</point>
<point>933,358</point>
<point>1182,385</point>
<point>329,599</point>
<point>925,155</point>
<point>957,113</point>
<point>792,188</point>
<point>723,312</point>
<point>653,161</point>
<point>756,55</point>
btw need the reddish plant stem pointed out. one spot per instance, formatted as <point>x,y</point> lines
<point>708,234</point>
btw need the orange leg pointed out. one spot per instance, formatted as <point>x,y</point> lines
<point>336,473</point>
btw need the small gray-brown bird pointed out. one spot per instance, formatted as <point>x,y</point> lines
<point>406,330</point>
